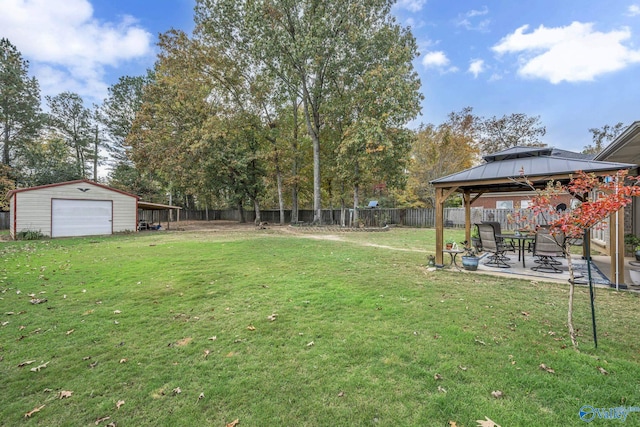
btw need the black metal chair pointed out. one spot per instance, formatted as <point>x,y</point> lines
<point>491,245</point>
<point>547,247</point>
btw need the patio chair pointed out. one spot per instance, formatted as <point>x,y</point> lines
<point>546,248</point>
<point>498,229</point>
<point>491,245</point>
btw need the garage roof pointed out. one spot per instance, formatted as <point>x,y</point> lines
<point>78,181</point>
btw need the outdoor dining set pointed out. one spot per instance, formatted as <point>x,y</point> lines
<point>545,247</point>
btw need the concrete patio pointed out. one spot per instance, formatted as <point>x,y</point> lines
<point>601,268</point>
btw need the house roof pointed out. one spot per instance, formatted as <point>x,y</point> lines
<point>626,147</point>
<point>59,184</point>
<point>539,164</point>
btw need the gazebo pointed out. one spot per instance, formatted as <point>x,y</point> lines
<point>502,173</point>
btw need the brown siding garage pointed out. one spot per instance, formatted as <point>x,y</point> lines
<point>74,208</point>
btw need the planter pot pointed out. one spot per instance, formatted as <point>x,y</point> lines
<point>470,263</point>
<point>449,246</point>
<point>637,253</point>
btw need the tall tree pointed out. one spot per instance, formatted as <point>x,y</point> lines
<point>307,44</point>
<point>73,122</point>
<point>508,131</point>
<point>603,136</point>
<point>437,152</point>
<point>46,161</point>
<point>20,117</point>
<point>197,127</point>
<point>118,112</point>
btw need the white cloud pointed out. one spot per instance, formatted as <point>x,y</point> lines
<point>410,5</point>
<point>438,60</point>
<point>573,53</point>
<point>68,45</point>
<point>470,22</point>
<point>633,10</point>
<point>476,66</point>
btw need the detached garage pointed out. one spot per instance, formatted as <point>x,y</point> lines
<point>74,208</point>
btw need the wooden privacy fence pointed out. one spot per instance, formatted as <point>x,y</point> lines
<point>453,217</point>
<point>376,217</point>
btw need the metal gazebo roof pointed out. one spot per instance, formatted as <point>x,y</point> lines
<point>501,170</point>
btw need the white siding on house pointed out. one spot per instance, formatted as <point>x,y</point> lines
<point>33,207</point>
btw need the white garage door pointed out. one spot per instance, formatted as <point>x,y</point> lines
<point>81,217</point>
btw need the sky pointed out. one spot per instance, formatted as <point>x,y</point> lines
<point>573,63</point>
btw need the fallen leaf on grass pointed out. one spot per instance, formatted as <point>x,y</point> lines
<point>272,317</point>
<point>234,423</point>
<point>38,300</point>
<point>200,397</point>
<point>480,342</point>
<point>207,353</point>
<point>462,368</point>
<point>93,365</point>
<point>341,394</point>
<point>452,424</point>
<point>497,394</point>
<point>437,377</point>
<point>119,403</point>
<point>546,368</point>
<point>33,411</point>
<point>310,344</point>
<point>177,390</point>
<point>116,312</point>
<point>525,313</point>
<point>69,332</point>
<point>602,370</point>
<point>37,368</point>
<point>123,360</point>
<point>99,420</point>
<point>442,389</point>
<point>251,328</point>
<point>25,363</point>
<point>5,323</point>
<point>64,393</point>
<point>487,422</point>
<point>213,338</point>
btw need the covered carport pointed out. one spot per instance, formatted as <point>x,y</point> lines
<point>155,209</point>
<point>504,171</point>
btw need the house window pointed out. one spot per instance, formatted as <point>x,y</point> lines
<point>504,204</point>
<point>524,204</point>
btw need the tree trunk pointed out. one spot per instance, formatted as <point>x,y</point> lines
<point>95,157</point>
<point>313,128</point>
<point>6,151</point>
<point>572,332</point>
<point>280,199</point>
<point>295,166</point>
<point>241,212</point>
<point>256,208</point>
<point>356,193</point>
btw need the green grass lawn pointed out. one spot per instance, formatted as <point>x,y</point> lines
<point>173,328</point>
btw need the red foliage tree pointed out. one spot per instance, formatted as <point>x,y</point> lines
<point>600,196</point>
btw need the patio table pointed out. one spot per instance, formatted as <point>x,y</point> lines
<point>521,238</point>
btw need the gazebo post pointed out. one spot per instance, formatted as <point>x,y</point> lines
<point>439,226</point>
<point>467,216</point>
<point>616,247</point>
